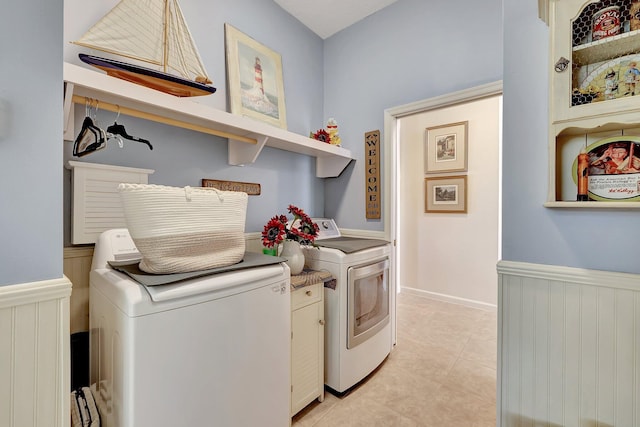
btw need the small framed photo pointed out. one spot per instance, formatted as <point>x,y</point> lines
<point>445,194</point>
<point>445,148</point>
<point>254,73</point>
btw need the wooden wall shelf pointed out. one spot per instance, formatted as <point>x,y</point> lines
<point>247,137</point>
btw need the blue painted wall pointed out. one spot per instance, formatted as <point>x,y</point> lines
<point>409,51</point>
<point>30,148</point>
<point>594,239</point>
<point>390,58</point>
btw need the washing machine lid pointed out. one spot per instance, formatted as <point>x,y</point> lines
<point>135,299</point>
<point>132,269</point>
<point>350,245</point>
<point>230,283</point>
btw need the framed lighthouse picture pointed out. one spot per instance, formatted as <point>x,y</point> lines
<point>254,75</point>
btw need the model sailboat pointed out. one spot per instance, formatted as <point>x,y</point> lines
<point>154,32</point>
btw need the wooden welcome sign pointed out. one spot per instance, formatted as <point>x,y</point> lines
<point>372,174</point>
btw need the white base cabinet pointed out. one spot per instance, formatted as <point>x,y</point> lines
<point>307,346</point>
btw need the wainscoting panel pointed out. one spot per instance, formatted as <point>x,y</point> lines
<point>34,356</point>
<point>76,267</point>
<point>569,346</point>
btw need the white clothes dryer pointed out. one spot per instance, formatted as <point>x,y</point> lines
<point>359,304</point>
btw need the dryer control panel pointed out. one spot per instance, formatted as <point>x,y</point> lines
<point>328,228</point>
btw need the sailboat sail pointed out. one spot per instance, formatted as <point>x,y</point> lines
<point>152,31</point>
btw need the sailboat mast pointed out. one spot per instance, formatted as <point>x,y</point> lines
<point>165,36</point>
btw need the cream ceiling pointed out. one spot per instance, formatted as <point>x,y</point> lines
<point>327,17</point>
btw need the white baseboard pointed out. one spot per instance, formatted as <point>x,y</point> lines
<point>449,298</point>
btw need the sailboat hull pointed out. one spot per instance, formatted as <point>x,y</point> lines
<point>153,79</point>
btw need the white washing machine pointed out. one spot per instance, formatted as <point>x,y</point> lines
<point>207,351</point>
<point>359,304</point>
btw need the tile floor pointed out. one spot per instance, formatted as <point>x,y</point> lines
<point>441,373</point>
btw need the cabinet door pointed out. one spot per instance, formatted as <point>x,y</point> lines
<point>307,358</point>
<point>601,42</point>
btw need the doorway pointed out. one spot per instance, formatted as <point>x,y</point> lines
<point>448,256</point>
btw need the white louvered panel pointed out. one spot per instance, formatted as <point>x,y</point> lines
<point>34,361</point>
<point>569,346</point>
<point>96,203</point>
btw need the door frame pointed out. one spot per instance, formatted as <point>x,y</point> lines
<point>391,153</point>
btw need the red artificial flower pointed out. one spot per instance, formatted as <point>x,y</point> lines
<point>296,211</point>
<point>274,232</point>
<point>322,135</point>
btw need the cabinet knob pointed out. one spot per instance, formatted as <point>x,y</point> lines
<point>308,293</point>
<point>321,321</point>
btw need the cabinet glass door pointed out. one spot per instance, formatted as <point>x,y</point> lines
<point>605,52</point>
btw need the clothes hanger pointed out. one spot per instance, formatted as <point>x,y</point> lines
<point>116,129</point>
<point>117,137</point>
<point>91,137</point>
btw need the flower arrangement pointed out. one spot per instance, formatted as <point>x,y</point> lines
<point>276,230</point>
<point>321,135</point>
<point>329,135</point>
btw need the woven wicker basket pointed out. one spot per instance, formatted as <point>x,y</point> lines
<point>184,229</point>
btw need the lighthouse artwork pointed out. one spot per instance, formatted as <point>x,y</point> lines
<point>254,71</point>
<point>254,97</point>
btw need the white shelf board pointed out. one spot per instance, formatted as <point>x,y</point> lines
<point>593,205</point>
<point>84,82</point>
<point>607,48</point>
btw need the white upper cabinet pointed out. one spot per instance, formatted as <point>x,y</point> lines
<point>594,99</point>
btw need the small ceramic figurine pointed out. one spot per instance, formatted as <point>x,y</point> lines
<point>610,84</point>
<point>630,78</point>
<point>332,129</point>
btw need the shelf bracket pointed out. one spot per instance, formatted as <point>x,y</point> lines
<point>241,153</point>
<point>330,167</point>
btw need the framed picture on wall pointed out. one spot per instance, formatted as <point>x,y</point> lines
<point>254,73</point>
<point>445,194</point>
<point>445,148</point>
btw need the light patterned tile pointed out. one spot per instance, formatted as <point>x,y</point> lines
<point>453,407</point>
<point>310,415</point>
<point>423,359</point>
<point>357,411</point>
<point>484,352</point>
<point>473,378</point>
<point>442,373</point>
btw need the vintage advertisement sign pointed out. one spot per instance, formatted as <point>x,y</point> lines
<point>615,187</point>
<point>610,169</point>
<point>372,174</point>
